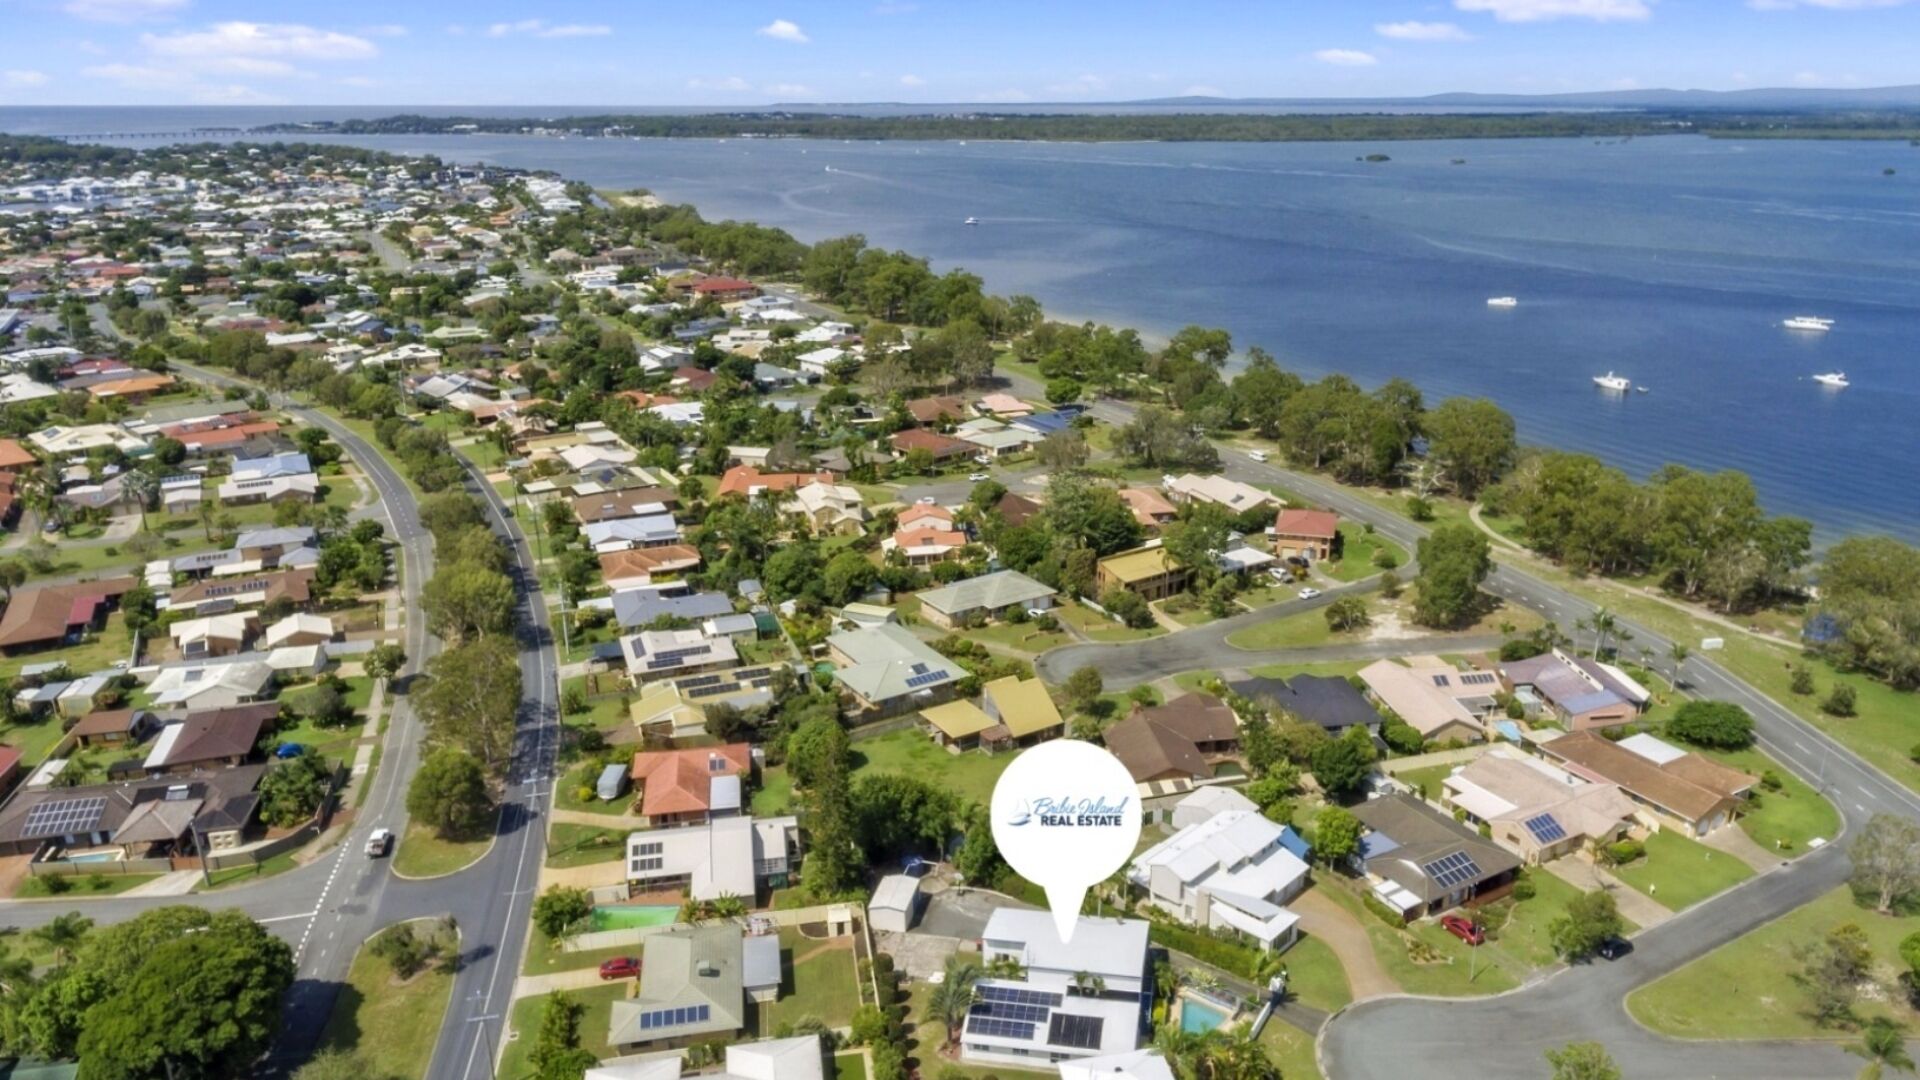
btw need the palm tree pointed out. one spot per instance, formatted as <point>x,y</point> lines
<point>728,906</point>
<point>1089,984</point>
<point>1884,1045</point>
<point>1678,653</point>
<point>141,488</point>
<point>953,995</point>
<point>64,934</point>
<point>1005,967</point>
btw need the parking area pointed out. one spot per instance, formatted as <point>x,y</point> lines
<point>953,920</point>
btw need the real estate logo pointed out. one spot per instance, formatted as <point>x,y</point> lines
<point>1066,815</point>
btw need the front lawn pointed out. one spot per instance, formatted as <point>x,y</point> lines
<point>583,845</point>
<point>386,1020</point>
<point>566,793</point>
<point>523,1027</point>
<point>1679,872</point>
<point>1314,975</point>
<point>423,854</point>
<point>911,753</point>
<point>1098,627</point>
<point>817,979</point>
<point>1746,989</point>
<point>83,885</point>
<point>1358,549</point>
<point>1300,630</point>
<point>1025,637</point>
<point>1786,819</point>
<point>1291,1050</point>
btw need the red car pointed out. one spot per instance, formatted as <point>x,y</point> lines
<point>620,967</point>
<point>1464,929</point>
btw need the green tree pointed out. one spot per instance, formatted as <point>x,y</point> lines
<point>1591,920</point>
<point>1336,834</point>
<point>1473,441</point>
<point>1884,1046</point>
<point>1719,724</point>
<point>336,1064</point>
<point>557,1053</point>
<point>385,660</point>
<point>201,1004</point>
<point>63,934</point>
<point>1127,606</point>
<point>559,908</point>
<point>449,791</point>
<point>1831,972</point>
<point>1340,765</point>
<point>978,859</point>
<point>1454,560</point>
<point>464,601</point>
<point>293,789</point>
<point>1347,613</point>
<point>950,998</point>
<point>471,699</point>
<point>1083,688</point>
<point>847,577</point>
<point>1886,862</point>
<point>817,749</point>
<point>1582,1061</point>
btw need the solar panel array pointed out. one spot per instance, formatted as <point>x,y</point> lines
<point>1477,678</point>
<point>1452,870</point>
<point>1015,995</point>
<point>927,679</point>
<point>1546,828</point>
<point>1077,1032</point>
<point>63,817</point>
<point>1001,1010</point>
<point>665,1018</point>
<point>1003,1029</point>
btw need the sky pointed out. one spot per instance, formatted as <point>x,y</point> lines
<point>649,52</point>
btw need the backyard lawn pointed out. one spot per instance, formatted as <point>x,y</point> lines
<point>817,978</point>
<point>422,854</point>
<point>524,1021</point>
<point>34,739</point>
<point>1679,872</point>
<point>1747,990</point>
<point>911,753</point>
<point>774,796</point>
<point>96,653</point>
<point>383,1018</point>
<point>583,845</point>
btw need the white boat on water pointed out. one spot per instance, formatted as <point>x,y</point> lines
<point>1809,322</point>
<point>972,221</point>
<point>1610,381</point>
<point>1503,301</point>
<point>1835,379</point>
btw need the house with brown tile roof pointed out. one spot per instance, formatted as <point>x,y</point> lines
<point>1150,508</point>
<point>255,590</point>
<point>1174,742</point>
<point>1016,509</point>
<point>132,388</point>
<point>112,727</point>
<point>690,787</point>
<point>623,503</point>
<point>1307,534</point>
<point>223,737</point>
<point>15,457</point>
<point>635,567</point>
<point>1683,791</point>
<point>749,481</point>
<point>942,447</point>
<point>58,614</point>
<point>933,410</point>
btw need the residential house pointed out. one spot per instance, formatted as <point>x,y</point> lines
<point>1149,507</point>
<point>1174,745</point>
<point>887,670</point>
<point>1072,999</point>
<point>1534,809</point>
<point>263,549</point>
<point>747,481</point>
<point>1675,788</point>
<point>638,567</point>
<point>228,433</point>
<point>925,535</point>
<point>1443,703</point>
<point>943,448</point>
<point>1581,694</point>
<point>218,594</point>
<point>819,363</point>
<point>1147,571</point>
<point>1023,713</point>
<point>1003,405</point>
<point>691,787</point>
<point>1420,862</point>
<point>831,509</point>
<point>928,411</point>
<point>956,725</point>
<point>724,289</point>
<point>270,489</point>
<point>15,458</point>
<point>652,654</point>
<point>211,684</point>
<point>619,534</point>
<point>172,815</point>
<point>634,608</point>
<point>1148,1064</point>
<point>113,728</point>
<point>1328,701</point>
<point>1204,803</point>
<point>55,615</point>
<point>1306,534</point>
<point>727,856</point>
<point>1016,509</point>
<point>1231,872</point>
<point>695,983</point>
<point>980,599</point>
<point>220,737</point>
<point>299,628</point>
<point>1235,496</point>
<point>81,439</point>
<point>620,503</point>
<point>213,635</point>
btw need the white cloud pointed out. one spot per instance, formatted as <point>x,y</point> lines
<point>122,11</point>
<point>912,80</point>
<point>1520,11</point>
<point>784,30</point>
<point>230,40</point>
<point>788,89</point>
<point>539,28</point>
<point>732,84</point>
<point>19,78</point>
<point>1422,31</point>
<point>1346,57</point>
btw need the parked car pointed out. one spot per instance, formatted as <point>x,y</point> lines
<point>379,842</point>
<point>1309,593</point>
<point>927,500</point>
<point>1258,455</point>
<point>620,967</point>
<point>1615,947</point>
<point>1464,929</point>
<point>975,478</point>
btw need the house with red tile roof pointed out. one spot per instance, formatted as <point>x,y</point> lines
<point>724,289</point>
<point>747,481</point>
<point>942,447</point>
<point>1309,534</point>
<point>15,457</point>
<point>691,787</point>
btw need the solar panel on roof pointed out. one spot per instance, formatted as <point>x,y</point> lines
<point>927,679</point>
<point>1004,1029</point>
<point>1030,1013</point>
<point>1477,678</point>
<point>1545,828</point>
<point>63,817</point>
<point>1451,870</point>
<point>1078,1032</point>
<point>1015,995</point>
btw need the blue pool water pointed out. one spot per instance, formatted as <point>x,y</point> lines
<point>95,856</point>
<point>1199,1017</point>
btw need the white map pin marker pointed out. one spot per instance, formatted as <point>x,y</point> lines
<point>1066,815</point>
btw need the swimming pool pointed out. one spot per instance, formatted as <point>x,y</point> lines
<point>628,916</point>
<point>93,856</point>
<point>1199,1017</point>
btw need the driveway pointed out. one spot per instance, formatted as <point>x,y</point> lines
<point>962,913</point>
<point>1642,910</point>
<point>1321,918</point>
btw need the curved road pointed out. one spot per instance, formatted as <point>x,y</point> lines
<point>327,908</point>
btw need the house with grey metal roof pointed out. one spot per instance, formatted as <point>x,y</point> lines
<point>694,983</point>
<point>1047,1014</point>
<point>888,670</point>
<point>985,596</point>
